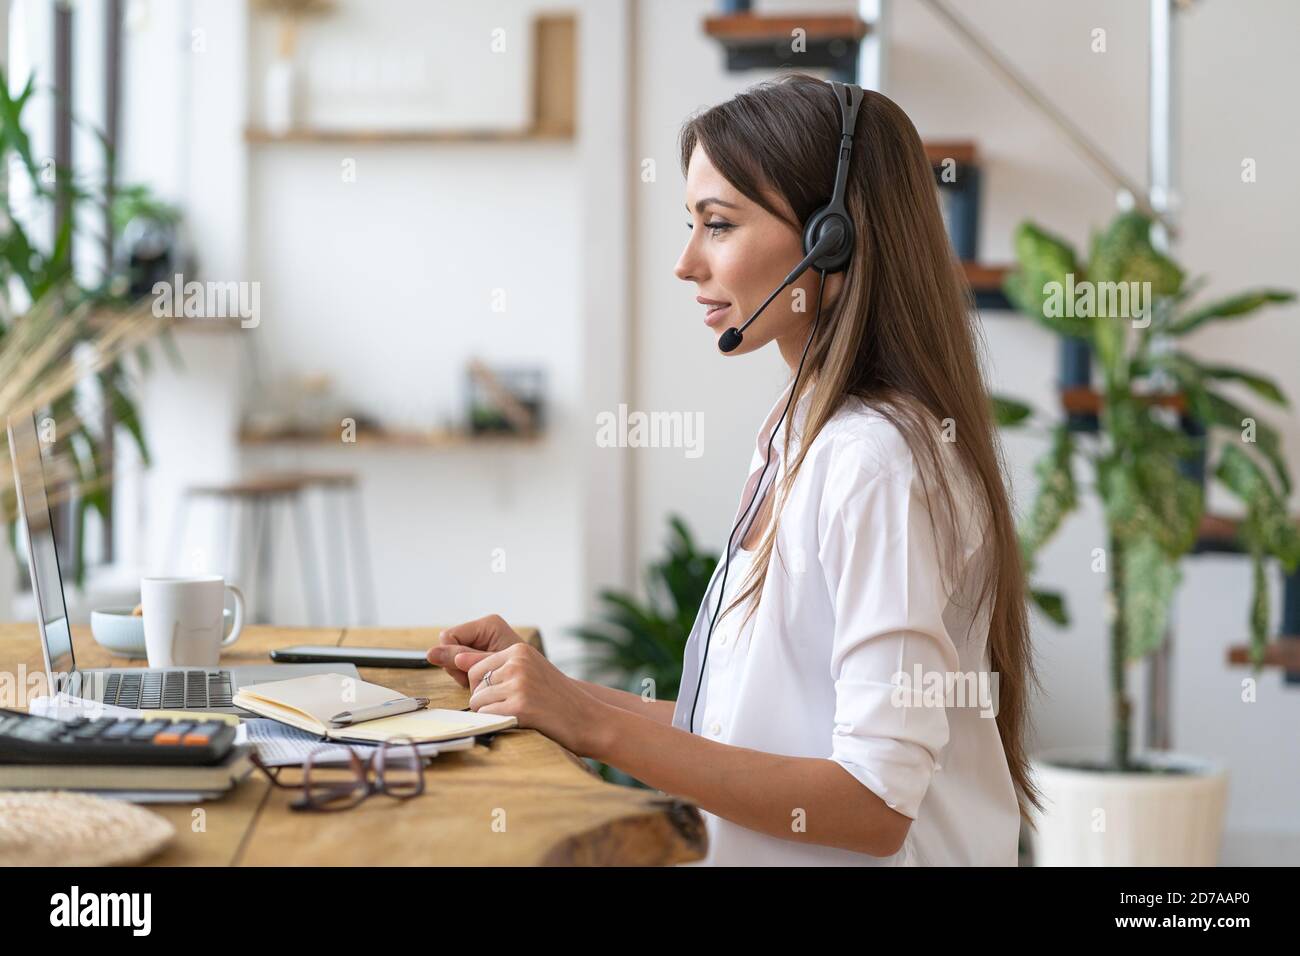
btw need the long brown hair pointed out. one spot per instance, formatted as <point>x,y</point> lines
<point>902,335</point>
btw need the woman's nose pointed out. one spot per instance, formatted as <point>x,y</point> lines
<point>688,266</point>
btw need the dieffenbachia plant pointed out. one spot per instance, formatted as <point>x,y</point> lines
<point>1131,304</point>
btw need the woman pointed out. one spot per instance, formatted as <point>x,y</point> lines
<point>845,716</point>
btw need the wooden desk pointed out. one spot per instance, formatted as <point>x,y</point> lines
<point>523,800</point>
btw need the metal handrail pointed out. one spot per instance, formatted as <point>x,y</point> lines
<point>1090,150</point>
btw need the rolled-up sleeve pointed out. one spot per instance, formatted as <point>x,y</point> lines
<point>878,552</point>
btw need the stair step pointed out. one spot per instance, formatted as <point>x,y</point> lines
<point>758,42</point>
<point>960,150</point>
<point>983,278</point>
<point>1081,400</point>
<point>757,28</point>
<point>1284,652</point>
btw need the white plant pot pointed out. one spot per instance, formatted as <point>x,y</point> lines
<point>1094,818</point>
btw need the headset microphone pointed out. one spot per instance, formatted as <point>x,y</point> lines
<point>828,239</point>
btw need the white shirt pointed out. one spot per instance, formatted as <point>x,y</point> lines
<point>854,599</point>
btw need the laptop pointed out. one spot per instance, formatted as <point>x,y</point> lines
<point>206,689</point>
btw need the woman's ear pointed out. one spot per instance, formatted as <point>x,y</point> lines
<point>831,294</point>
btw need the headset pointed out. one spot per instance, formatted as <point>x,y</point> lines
<point>828,239</point>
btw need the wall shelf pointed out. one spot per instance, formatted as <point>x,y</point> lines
<point>389,438</point>
<point>377,137</point>
<point>554,104</point>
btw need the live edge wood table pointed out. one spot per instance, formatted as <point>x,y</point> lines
<point>522,799</point>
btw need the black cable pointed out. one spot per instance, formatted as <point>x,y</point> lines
<point>722,585</point>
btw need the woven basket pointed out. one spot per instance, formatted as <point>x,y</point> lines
<point>63,828</point>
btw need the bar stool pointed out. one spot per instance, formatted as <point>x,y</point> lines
<point>351,580</point>
<point>256,500</point>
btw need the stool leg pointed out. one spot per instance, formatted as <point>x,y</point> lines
<point>265,516</point>
<point>227,556</point>
<point>247,560</point>
<point>307,558</point>
<point>338,572</point>
<point>361,552</point>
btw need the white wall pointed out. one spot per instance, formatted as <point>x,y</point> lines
<point>386,285</point>
<point>1237,83</point>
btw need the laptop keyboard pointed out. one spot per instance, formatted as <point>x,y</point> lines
<point>168,690</point>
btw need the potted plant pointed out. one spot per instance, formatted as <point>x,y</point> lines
<point>1159,408</point>
<point>34,271</point>
<point>45,352</point>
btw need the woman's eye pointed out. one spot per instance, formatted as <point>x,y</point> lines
<point>715,227</point>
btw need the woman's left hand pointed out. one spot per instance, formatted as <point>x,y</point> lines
<point>527,686</point>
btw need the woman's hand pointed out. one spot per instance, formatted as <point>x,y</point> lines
<point>489,633</point>
<point>520,682</point>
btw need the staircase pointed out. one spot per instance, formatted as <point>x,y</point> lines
<point>852,48</point>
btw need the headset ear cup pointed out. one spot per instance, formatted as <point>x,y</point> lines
<point>837,259</point>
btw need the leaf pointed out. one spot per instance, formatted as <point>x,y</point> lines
<point>1146,497</point>
<point>1269,525</point>
<point>1174,502</point>
<point>1147,579</point>
<point>1214,409</point>
<point>1008,412</point>
<point>1232,307</point>
<point>1263,387</point>
<point>1124,253</point>
<point>1191,375</point>
<point>1258,608</point>
<point>1036,287</point>
<point>12,134</point>
<point>124,411</point>
<point>1056,497</point>
<point>1052,604</point>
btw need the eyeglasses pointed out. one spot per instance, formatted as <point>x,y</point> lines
<point>394,768</point>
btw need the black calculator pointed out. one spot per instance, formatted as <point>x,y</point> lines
<point>25,738</point>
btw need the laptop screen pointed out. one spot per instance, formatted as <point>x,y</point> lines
<point>47,582</point>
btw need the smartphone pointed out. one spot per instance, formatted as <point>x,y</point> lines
<point>361,656</point>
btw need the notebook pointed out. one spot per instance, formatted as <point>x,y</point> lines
<point>142,778</point>
<point>279,745</point>
<point>309,702</point>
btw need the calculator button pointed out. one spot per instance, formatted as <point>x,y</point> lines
<point>202,734</point>
<point>173,734</point>
<point>147,730</point>
<point>120,730</point>
<point>93,729</point>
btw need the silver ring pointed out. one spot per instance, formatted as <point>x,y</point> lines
<point>487,679</point>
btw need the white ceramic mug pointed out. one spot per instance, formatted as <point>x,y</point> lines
<point>183,620</point>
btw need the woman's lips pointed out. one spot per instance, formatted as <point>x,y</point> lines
<point>715,315</point>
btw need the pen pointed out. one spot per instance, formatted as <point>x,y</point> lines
<point>390,708</point>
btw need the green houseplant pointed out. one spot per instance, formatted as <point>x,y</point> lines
<point>1163,419</point>
<point>638,645</point>
<point>45,272</point>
